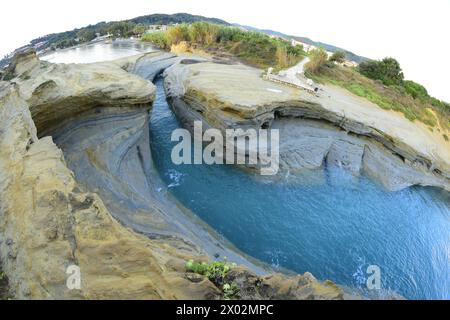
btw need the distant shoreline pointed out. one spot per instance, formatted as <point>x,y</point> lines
<point>85,44</point>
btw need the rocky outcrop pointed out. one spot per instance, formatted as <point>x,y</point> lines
<point>280,287</point>
<point>149,65</point>
<point>93,198</point>
<point>332,129</point>
<point>59,93</point>
<point>49,223</point>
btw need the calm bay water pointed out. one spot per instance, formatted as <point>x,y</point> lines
<point>334,229</point>
<point>96,52</point>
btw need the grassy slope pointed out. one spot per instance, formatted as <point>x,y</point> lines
<point>349,55</point>
<point>387,97</point>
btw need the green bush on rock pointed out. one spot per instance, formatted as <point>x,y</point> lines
<point>216,272</point>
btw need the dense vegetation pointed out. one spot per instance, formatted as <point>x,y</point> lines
<point>254,48</point>
<point>387,71</point>
<point>382,83</point>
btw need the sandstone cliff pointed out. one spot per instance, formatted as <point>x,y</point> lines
<point>93,199</point>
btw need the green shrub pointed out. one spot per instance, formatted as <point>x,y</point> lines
<point>203,33</point>
<point>338,56</point>
<point>416,90</point>
<point>159,39</point>
<point>387,70</point>
<point>120,29</point>
<point>139,29</point>
<point>228,34</point>
<point>216,272</point>
<point>178,33</point>
<point>86,35</point>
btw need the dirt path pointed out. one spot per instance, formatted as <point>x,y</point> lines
<point>293,76</point>
<point>292,72</point>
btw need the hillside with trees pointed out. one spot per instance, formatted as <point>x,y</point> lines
<point>328,47</point>
<point>177,18</point>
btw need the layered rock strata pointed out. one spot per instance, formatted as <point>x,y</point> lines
<point>93,198</point>
<point>332,129</point>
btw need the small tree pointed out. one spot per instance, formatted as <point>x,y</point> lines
<point>338,56</point>
<point>121,28</point>
<point>203,33</point>
<point>159,39</point>
<point>138,29</point>
<point>416,90</point>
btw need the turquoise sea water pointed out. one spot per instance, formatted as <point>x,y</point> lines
<point>334,229</point>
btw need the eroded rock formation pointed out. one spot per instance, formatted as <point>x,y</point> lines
<point>93,199</point>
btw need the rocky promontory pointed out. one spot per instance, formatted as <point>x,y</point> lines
<point>333,128</point>
<point>78,187</point>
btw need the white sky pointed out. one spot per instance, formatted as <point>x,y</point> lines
<point>416,32</point>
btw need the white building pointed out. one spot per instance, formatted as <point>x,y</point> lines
<point>349,63</point>
<point>306,47</point>
<point>157,27</point>
<point>309,47</point>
